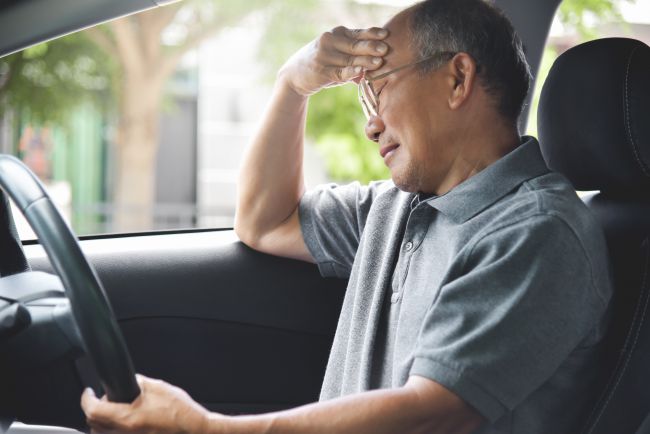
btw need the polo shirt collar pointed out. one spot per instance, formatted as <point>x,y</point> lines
<point>492,183</point>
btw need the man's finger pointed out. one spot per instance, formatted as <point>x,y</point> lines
<point>98,411</point>
<point>360,47</point>
<point>330,42</point>
<point>376,33</point>
<point>88,399</point>
<point>343,60</point>
<point>346,73</point>
<point>360,42</point>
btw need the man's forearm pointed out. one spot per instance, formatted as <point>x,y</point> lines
<point>271,178</point>
<point>394,411</point>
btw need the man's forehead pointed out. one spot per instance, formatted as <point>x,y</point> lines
<point>399,51</point>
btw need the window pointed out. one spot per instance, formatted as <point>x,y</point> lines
<point>575,24</point>
<point>139,124</point>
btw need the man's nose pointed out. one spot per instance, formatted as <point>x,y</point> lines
<point>374,127</point>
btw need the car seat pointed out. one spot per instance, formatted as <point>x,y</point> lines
<point>594,127</point>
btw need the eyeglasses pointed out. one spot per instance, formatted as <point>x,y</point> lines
<point>367,96</point>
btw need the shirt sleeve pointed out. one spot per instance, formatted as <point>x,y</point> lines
<point>332,218</point>
<point>515,305</point>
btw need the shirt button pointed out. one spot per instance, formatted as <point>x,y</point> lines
<point>408,246</point>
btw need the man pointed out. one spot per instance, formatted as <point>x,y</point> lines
<point>478,281</point>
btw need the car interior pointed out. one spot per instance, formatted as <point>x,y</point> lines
<point>243,332</point>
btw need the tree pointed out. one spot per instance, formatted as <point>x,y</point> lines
<point>130,70</point>
<point>45,82</point>
<point>574,13</point>
<point>144,65</point>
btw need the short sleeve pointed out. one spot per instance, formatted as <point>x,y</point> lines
<point>332,218</point>
<point>516,304</point>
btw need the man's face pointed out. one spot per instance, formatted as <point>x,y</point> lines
<point>413,118</point>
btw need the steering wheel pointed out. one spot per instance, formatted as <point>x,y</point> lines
<point>91,310</point>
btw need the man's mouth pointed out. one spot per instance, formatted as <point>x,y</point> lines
<point>388,149</point>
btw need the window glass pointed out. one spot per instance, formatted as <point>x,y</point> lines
<point>139,124</point>
<point>580,21</point>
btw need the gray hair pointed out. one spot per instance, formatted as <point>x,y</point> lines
<point>481,30</point>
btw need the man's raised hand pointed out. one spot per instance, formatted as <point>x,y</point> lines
<point>334,58</point>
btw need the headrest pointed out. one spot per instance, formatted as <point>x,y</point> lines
<point>594,116</point>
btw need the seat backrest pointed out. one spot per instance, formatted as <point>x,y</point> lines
<point>594,127</point>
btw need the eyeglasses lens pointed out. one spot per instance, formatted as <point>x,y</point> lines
<point>367,98</point>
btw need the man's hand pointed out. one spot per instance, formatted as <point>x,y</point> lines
<point>421,406</point>
<point>160,408</point>
<point>334,58</point>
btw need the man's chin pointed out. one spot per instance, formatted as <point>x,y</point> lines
<point>403,183</point>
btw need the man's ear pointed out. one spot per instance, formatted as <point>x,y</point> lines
<point>462,68</point>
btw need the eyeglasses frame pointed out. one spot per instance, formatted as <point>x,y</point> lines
<point>366,82</point>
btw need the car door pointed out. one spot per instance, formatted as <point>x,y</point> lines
<point>240,331</point>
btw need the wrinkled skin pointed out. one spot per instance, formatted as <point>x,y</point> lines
<point>160,408</point>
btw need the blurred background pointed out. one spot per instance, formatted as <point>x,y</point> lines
<point>140,124</point>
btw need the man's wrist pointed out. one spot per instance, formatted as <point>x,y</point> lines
<point>287,86</point>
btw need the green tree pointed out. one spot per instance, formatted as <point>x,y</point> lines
<point>45,82</point>
<point>574,13</point>
<point>140,62</point>
<point>145,63</point>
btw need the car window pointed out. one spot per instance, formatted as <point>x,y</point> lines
<point>574,25</point>
<point>139,124</point>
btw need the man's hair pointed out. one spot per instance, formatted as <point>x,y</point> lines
<point>481,30</point>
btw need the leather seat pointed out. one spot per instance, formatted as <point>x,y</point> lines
<point>594,127</point>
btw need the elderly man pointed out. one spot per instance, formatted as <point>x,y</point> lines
<point>478,282</point>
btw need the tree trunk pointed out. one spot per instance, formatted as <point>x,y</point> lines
<point>137,146</point>
<point>135,42</point>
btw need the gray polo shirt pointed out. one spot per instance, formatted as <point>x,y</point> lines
<point>498,290</point>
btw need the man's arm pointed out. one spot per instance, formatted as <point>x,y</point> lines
<point>422,406</point>
<point>271,177</point>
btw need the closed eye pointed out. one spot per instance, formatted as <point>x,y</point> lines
<point>379,91</point>
<point>381,88</point>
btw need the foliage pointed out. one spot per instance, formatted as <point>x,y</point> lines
<point>573,14</point>
<point>289,25</point>
<point>577,13</point>
<point>336,123</point>
<point>47,82</point>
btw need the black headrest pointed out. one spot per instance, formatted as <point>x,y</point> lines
<point>594,116</point>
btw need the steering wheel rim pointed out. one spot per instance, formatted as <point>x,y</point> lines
<point>91,309</point>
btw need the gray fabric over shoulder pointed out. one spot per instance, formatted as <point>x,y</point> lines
<point>502,321</point>
<point>498,290</point>
<point>332,218</point>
